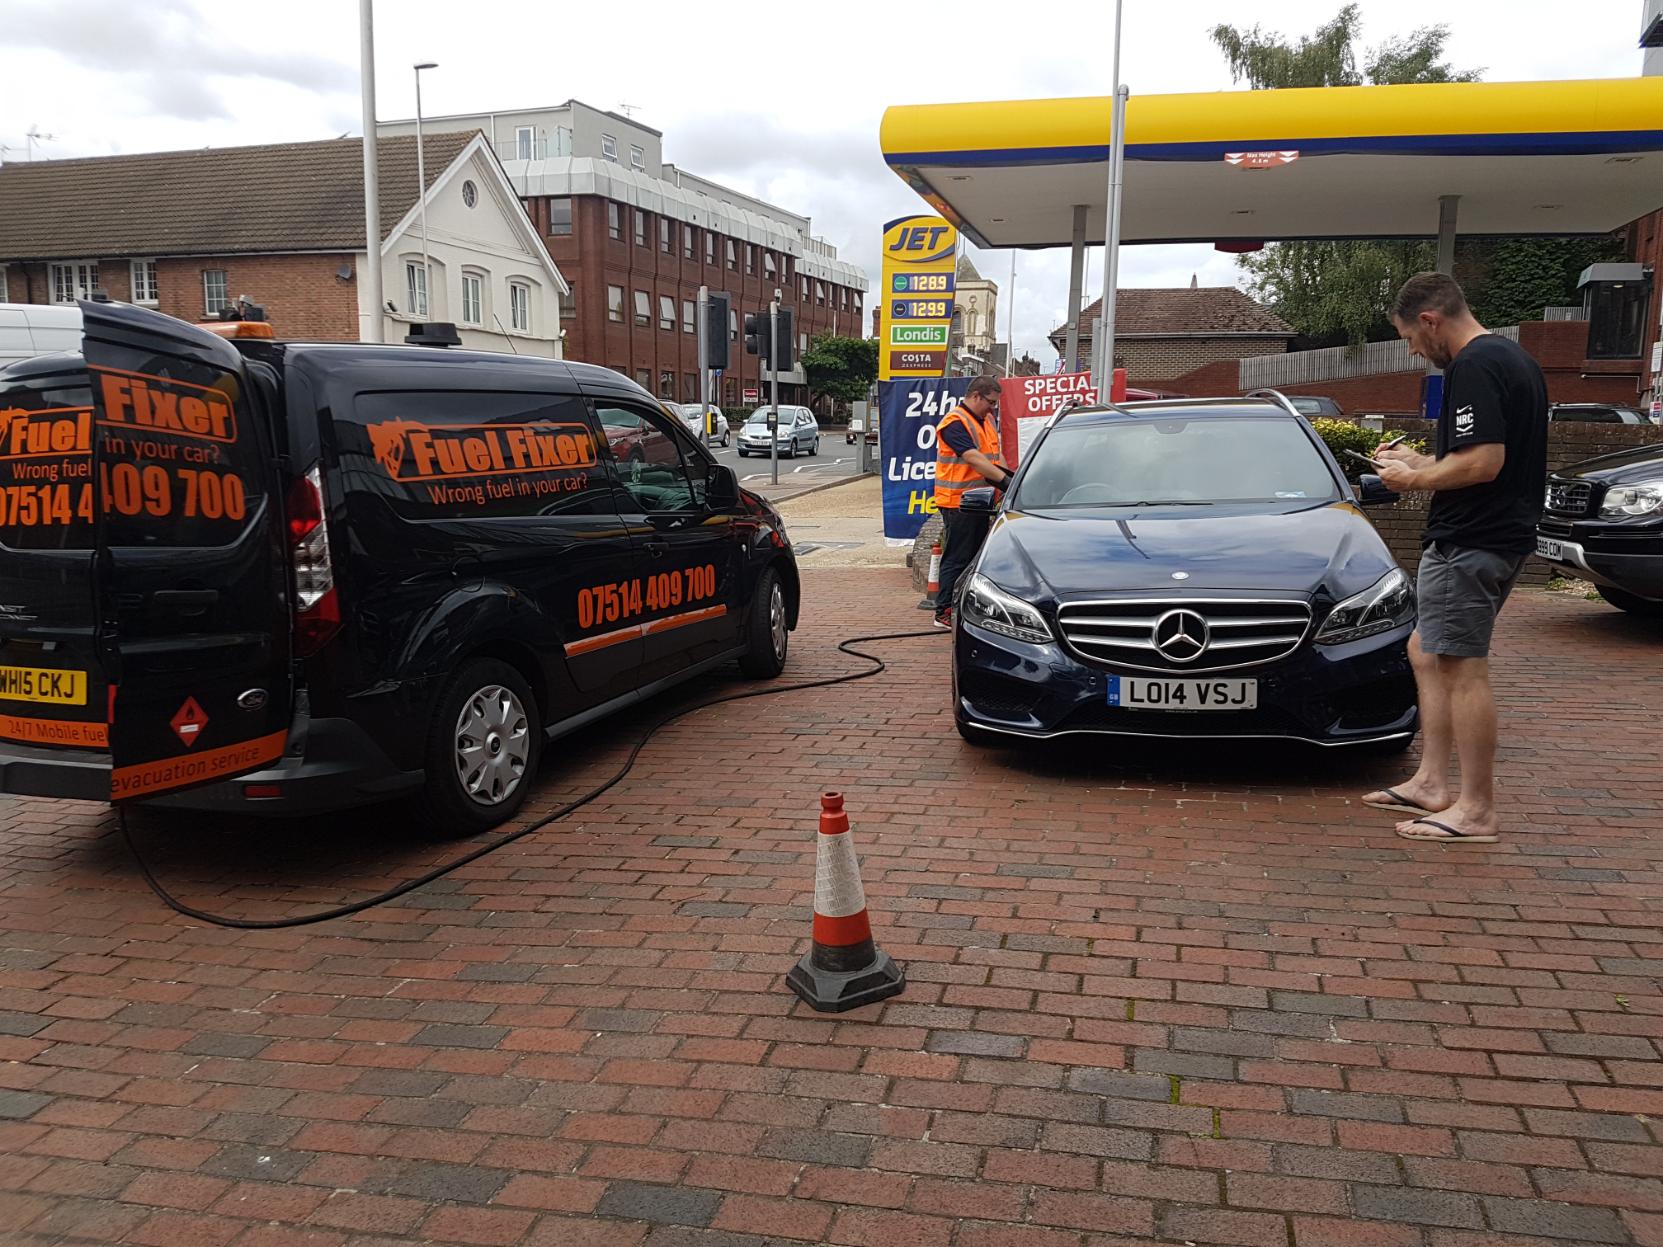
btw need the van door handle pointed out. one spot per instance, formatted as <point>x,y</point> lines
<point>658,548</point>
<point>185,601</point>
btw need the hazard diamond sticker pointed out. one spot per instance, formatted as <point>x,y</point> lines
<point>188,722</point>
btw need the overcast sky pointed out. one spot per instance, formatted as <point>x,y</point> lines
<point>781,101</point>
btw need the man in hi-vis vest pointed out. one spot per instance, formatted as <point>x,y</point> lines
<point>966,455</point>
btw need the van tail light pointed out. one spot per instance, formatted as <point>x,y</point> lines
<point>317,604</point>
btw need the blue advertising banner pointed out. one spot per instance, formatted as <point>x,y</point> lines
<point>908,412</point>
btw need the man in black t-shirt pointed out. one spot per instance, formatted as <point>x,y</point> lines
<point>1486,479</point>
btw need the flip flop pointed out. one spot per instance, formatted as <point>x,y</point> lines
<point>1398,804</point>
<point>1450,834</point>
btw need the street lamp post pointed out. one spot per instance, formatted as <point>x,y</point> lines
<point>421,193</point>
<point>1111,223</point>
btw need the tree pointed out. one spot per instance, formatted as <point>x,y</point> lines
<point>842,369</point>
<point>1339,292</point>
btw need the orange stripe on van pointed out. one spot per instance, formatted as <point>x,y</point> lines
<point>590,644</point>
<point>681,621</point>
<point>146,778</point>
<point>55,732</point>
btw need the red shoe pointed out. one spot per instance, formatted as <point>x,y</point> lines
<point>944,620</point>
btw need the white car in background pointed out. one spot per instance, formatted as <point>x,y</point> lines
<point>31,329</point>
<point>689,413</point>
<point>798,433</point>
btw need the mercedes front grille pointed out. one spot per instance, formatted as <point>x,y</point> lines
<point>1181,635</point>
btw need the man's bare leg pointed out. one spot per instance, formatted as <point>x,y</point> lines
<point>1429,787</point>
<point>1472,707</point>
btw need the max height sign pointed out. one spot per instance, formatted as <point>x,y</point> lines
<point>920,263</point>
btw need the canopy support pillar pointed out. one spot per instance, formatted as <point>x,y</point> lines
<point>1076,280</point>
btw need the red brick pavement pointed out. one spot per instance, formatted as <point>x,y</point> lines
<point>1156,994</point>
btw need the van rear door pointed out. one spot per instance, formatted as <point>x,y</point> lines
<point>191,571</point>
<point>53,699</point>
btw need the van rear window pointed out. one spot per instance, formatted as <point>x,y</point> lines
<point>473,455</point>
<point>47,500</point>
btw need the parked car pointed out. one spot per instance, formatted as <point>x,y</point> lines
<point>713,427</point>
<point>1189,569</point>
<point>31,329</point>
<point>1312,406</point>
<point>329,575</point>
<point>1602,521</point>
<point>1597,413</point>
<point>798,433</point>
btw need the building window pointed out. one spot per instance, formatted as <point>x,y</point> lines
<point>144,281</point>
<point>733,256</point>
<point>637,159</point>
<point>690,386</point>
<point>470,194</point>
<point>667,385</point>
<point>214,296</point>
<point>415,289</point>
<point>519,306</point>
<point>5,293</point>
<point>524,137</point>
<point>733,325</point>
<point>820,294</point>
<point>666,313</point>
<point>750,259</point>
<point>688,324</point>
<point>665,244</point>
<point>609,147</point>
<point>640,228</point>
<point>78,281</point>
<point>689,243</point>
<point>473,299</point>
<point>568,305</point>
<point>643,378</point>
<point>643,308</point>
<point>615,221</point>
<point>804,283</point>
<point>768,263</point>
<point>710,246</point>
<point>802,345</point>
<point>560,216</point>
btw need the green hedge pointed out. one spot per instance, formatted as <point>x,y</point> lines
<point>1345,435</point>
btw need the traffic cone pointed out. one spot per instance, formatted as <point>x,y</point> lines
<point>933,588</point>
<point>844,969</point>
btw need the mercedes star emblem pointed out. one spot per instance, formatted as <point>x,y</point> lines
<point>1180,636</point>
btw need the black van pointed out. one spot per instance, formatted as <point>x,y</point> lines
<point>257,575</point>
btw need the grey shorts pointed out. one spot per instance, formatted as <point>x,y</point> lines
<point>1460,592</point>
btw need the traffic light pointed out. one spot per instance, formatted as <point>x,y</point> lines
<point>784,341</point>
<point>756,335</point>
<point>716,332</point>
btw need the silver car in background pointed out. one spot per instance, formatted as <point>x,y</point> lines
<point>718,432</point>
<point>798,433</point>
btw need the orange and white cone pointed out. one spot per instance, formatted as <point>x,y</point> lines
<point>932,590</point>
<point>845,968</point>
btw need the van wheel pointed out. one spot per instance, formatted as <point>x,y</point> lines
<point>482,749</point>
<point>766,634</point>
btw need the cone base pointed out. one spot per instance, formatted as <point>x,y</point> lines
<point>828,991</point>
<point>928,603</point>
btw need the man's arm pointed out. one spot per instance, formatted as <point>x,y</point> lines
<point>1470,465</point>
<point>991,472</point>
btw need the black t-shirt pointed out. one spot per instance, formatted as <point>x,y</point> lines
<point>1493,392</point>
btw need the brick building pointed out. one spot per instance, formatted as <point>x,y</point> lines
<point>1162,333</point>
<point>190,232</point>
<point>636,236</point>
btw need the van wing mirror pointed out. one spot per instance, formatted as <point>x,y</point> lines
<point>1373,492</point>
<point>721,488</point>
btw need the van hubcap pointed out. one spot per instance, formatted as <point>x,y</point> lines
<point>493,742</point>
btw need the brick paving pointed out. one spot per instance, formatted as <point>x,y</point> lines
<point>1157,994</point>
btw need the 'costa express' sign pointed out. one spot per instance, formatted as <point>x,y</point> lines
<point>920,258</point>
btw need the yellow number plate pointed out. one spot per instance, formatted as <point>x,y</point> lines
<point>63,688</point>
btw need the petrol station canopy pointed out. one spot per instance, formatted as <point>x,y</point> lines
<point>1580,157</point>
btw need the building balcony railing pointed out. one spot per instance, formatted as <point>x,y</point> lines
<point>560,144</point>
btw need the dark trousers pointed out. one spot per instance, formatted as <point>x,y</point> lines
<point>962,537</point>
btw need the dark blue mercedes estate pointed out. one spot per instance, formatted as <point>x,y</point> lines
<point>1184,568</point>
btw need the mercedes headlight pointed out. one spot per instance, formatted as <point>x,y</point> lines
<point>1387,604</point>
<point>988,606</point>
<point>1627,501</point>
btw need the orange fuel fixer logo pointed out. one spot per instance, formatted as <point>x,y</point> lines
<point>411,451</point>
<point>147,404</point>
<point>47,432</point>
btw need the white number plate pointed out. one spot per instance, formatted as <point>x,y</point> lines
<point>1550,549</point>
<point>1133,693</point>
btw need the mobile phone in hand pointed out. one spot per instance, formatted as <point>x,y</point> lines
<point>1362,458</point>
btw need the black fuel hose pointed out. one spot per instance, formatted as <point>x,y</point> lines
<point>473,855</point>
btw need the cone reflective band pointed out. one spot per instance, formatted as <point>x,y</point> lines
<point>932,587</point>
<point>844,968</point>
